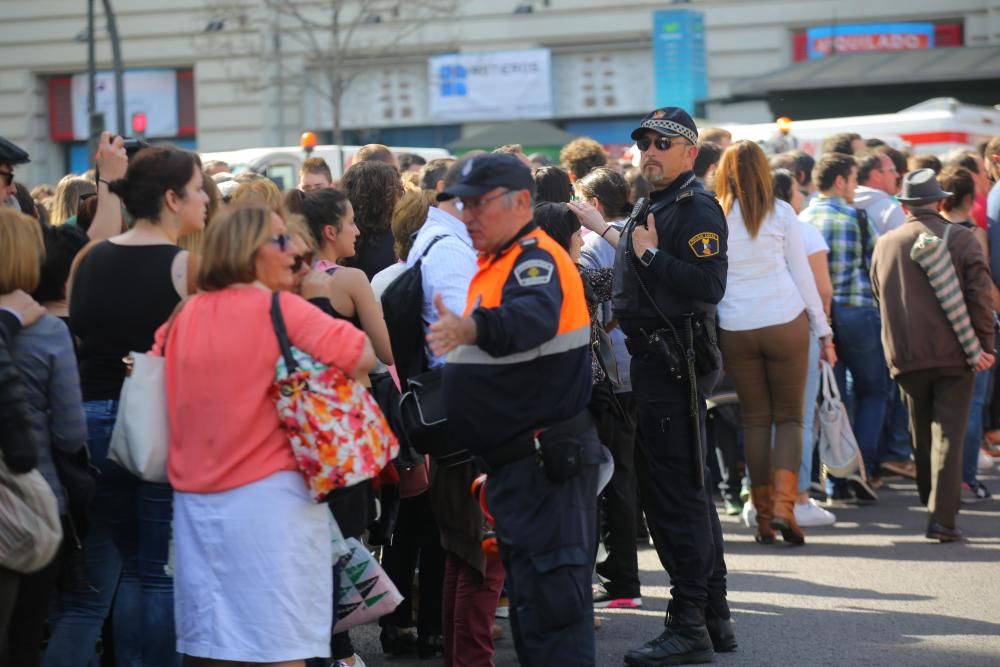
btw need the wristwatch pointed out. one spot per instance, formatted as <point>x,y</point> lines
<point>647,257</point>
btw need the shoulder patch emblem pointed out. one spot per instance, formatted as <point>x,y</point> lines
<point>705,244</point>
<point>529,242</point>
<point>687,194</point>
<point>534,272</point>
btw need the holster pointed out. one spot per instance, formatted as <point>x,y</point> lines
<point>557,447</point>
<point>663,343</point>
<point>707,356</point>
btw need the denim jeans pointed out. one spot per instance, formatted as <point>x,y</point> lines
<point>894,443</point>
<point>974,429</point>
<point>77,617</point>
<point>126,551</point>
<point>857,334</point>
<point>809,414</point>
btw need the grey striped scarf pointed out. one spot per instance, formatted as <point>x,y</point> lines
<point>931,253</point>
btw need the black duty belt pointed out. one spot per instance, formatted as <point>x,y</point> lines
<point>528,444</point>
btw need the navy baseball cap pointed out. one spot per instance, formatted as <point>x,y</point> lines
<point>11,154</point>
<point>482,173</point>
<point>670,122</point>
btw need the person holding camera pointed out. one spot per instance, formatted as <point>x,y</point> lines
<point>516,385</point>
<point>670,272</point>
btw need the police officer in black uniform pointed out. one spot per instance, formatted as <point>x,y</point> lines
<point>670,272</point>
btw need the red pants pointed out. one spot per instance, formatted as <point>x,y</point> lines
<point>469,604</point>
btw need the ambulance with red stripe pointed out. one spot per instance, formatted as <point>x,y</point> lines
<point>935,126</point>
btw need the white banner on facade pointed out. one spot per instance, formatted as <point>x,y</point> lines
<point>152,92</point>
<point>491,85</point>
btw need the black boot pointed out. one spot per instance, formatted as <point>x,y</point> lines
<point>720,629</point>
<point>685,641</point>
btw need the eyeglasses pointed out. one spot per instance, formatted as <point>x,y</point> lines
<point>299,260</point>
<point>281,240</point>
<point>662,143</point>
<point>8,177</point>
<point>478,204</point>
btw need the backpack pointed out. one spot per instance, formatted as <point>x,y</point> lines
<point>402,307</point>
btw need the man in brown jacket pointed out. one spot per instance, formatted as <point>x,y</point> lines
<point>922,349</point>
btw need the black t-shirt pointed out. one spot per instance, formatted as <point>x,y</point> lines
<point>121,296</point>
<point>375,254</point>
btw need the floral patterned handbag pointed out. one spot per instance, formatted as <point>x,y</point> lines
<point>338,433</point>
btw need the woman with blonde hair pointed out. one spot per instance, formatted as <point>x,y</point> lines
<point>771,303</point>
<point>243,518</point>
<point>43,355</point>
<point>67,197</point>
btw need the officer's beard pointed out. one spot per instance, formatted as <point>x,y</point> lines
<point>12,202</point>
<point>656,176</point>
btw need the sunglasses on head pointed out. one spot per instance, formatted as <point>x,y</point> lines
<point>281,240</point>
<point>8,177</point>
<point>661,143</point>
<point>299,260</point>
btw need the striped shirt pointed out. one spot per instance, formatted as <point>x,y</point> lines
<point>44,356</point>
<point>838,223</point>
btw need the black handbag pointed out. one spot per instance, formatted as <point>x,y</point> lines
<point>423,415</point>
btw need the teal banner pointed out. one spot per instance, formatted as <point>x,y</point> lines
<point>680,67</point>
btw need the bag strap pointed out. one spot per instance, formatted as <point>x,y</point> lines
<point>829,382</point>
<point>429,246</point>
<point>282,333</point>
<point>865,234</point>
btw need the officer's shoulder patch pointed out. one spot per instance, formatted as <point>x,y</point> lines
<point>685,196</point>
<point>529,242</point>
<point>705,244</point>
<point>534,272</point>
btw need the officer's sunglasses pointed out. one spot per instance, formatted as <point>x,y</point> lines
<point>8,177</point>
<point>661,143</point>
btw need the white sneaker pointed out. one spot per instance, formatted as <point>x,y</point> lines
<point>810,514</point>
<point>749,515</point>
<point>985,462</point>
<point>358,662</point>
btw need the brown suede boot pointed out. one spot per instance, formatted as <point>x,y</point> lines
<point>761,497</point>
<point>786,484</point>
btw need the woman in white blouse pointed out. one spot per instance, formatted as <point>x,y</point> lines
<point>771,304</point>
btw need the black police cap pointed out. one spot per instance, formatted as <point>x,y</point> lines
<point>482,173</point>
<point>12,154</point>
<point>670,122</point>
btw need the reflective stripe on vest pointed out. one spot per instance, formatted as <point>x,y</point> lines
<point>486,291</point>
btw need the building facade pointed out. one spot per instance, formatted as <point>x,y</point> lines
<point>220,75</point>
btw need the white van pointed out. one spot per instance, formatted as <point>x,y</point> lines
<point>281,164</point>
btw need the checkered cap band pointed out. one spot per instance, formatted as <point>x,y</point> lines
<point>673,127</point>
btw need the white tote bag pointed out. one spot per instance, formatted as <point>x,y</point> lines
<point>838,450</point>
<point>141,434</point>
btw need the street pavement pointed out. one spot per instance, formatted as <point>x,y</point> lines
<point>870,590</point>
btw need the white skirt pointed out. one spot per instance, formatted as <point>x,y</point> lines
<point>253,579</point>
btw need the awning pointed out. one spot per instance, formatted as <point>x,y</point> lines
<point>969,63</point>
<point>527,133</point>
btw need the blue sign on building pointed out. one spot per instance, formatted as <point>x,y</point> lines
<point>680,68</point>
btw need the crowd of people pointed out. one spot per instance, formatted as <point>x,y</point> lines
<point>534,276</point>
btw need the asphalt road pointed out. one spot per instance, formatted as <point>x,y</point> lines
<point>869,591</point>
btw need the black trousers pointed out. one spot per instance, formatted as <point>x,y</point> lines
<point>680,514</point>
<point>547,532</point>
<point>416,538</point>
<point>616,430</point>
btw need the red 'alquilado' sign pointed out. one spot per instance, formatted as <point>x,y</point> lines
<point>850,43</point>
<point>825,40</point>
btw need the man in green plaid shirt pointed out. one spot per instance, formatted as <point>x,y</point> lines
<point>855,318</point>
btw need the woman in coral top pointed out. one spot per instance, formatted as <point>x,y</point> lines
<point>253,581</point>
